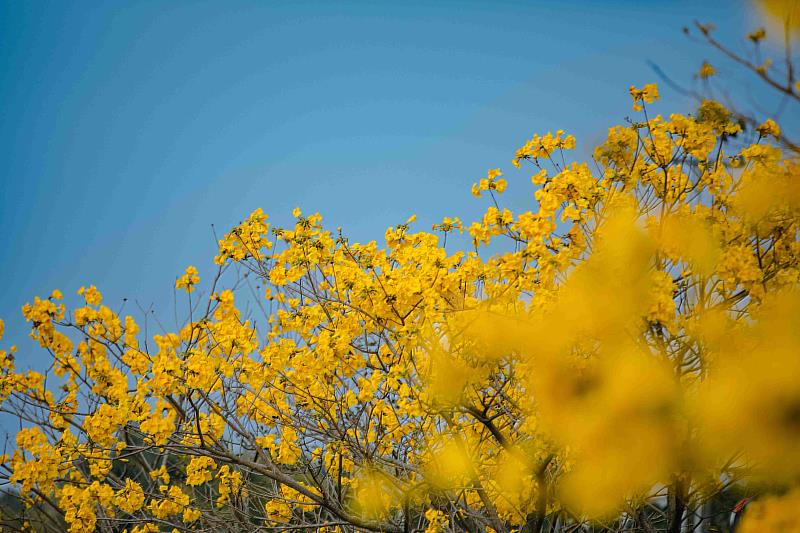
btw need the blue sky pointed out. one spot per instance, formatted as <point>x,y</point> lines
<point>128,128</point>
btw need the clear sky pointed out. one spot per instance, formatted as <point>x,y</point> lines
<point>128,128</point>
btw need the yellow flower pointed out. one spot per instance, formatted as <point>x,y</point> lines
<point>769,127</point>
<point>757,35</point>
<point>91,295</point>
<point>542,146</point>
<point>198,471</point>
<point>774,513</point>
<point>189,279</point>
<point>229,483</point>
<point>750,402</point>
<point>437,521</point>
<point>492,182</point>
<point>706,70</point>
<point>374,495</point>
<point>130,498</point>
<point>190,515</point>
<point>647,94</point>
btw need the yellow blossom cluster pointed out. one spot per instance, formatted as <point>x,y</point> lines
<point>646,95</point>
<point>623,353</point>
<point>492,182</point>
<point>543,146</point>
<point>189,279</point>
<point>775,513</point>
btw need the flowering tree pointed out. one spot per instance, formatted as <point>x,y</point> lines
<point>621,357</point>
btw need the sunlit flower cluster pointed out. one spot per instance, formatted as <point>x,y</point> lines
<point>628,344</point>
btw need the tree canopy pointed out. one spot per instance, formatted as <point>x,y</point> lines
<point>623,356</point>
